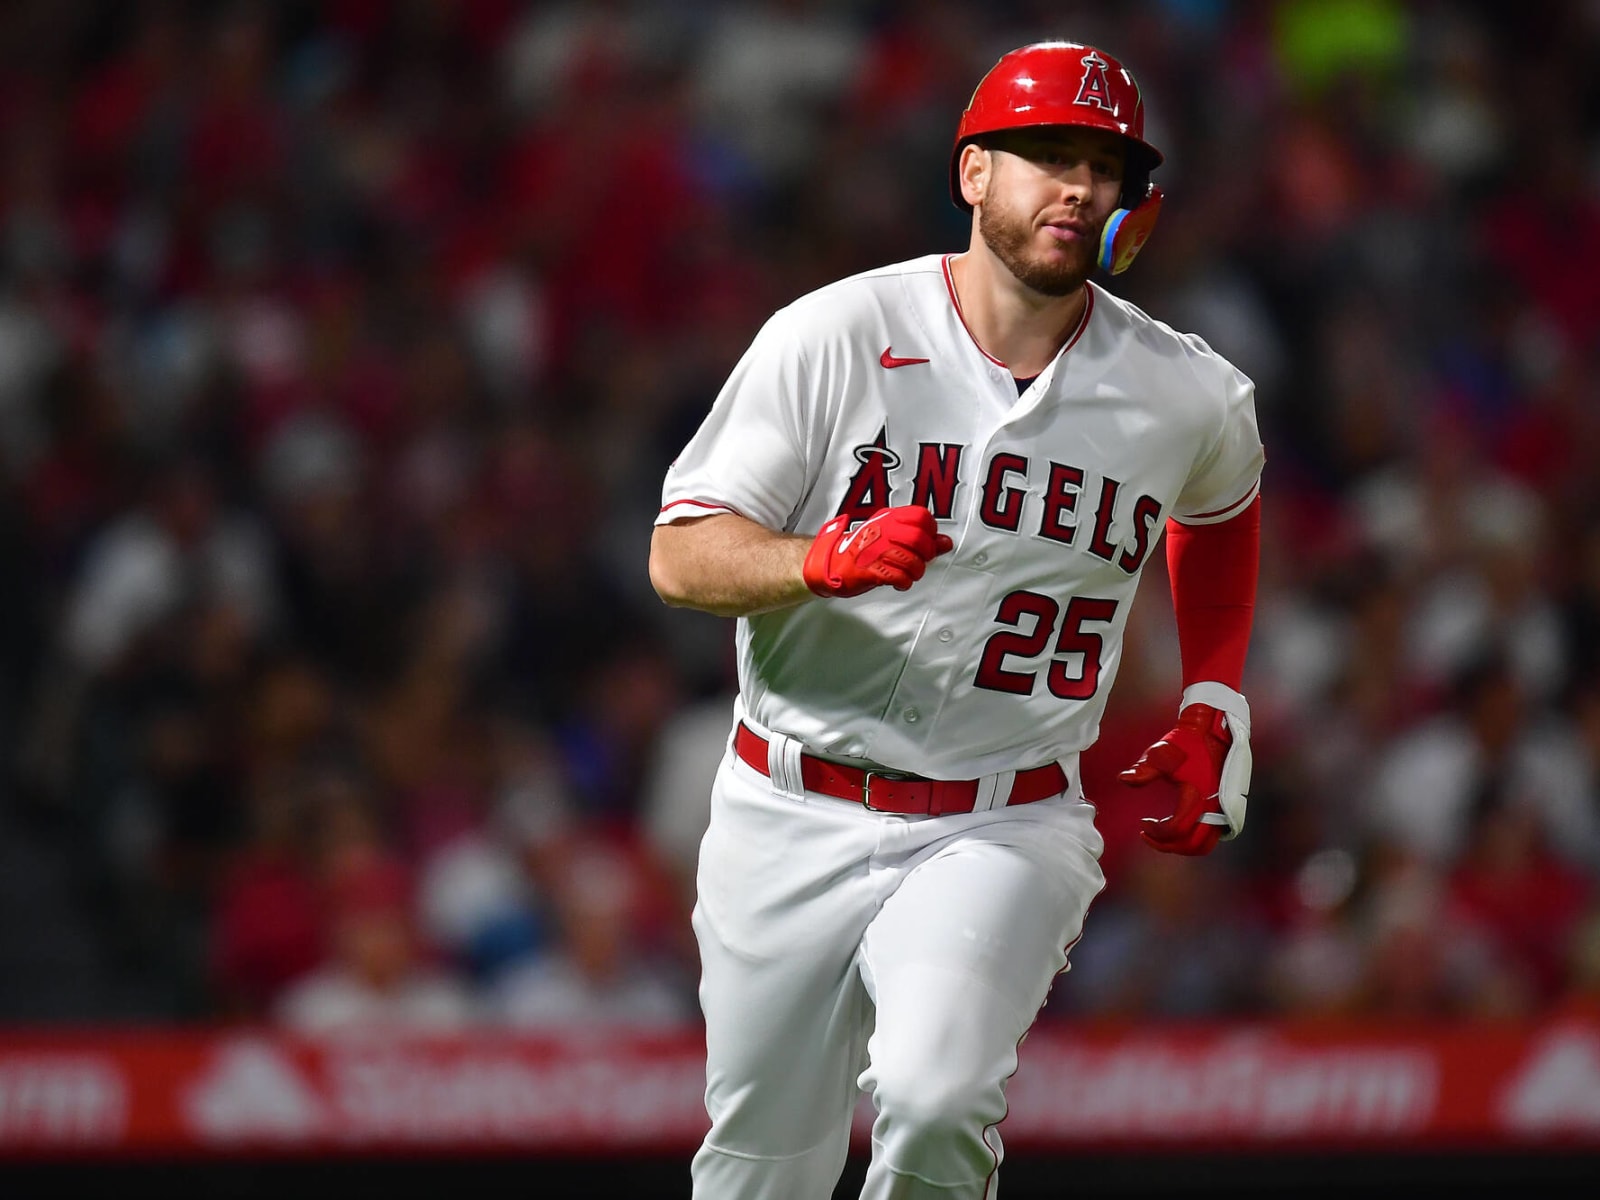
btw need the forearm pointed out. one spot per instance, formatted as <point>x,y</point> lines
<point>1213,570</point>
<point>727,565</point>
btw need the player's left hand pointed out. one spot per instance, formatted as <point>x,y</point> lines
<point>1207,754</point>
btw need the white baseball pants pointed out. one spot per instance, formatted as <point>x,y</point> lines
<point>846,950</point>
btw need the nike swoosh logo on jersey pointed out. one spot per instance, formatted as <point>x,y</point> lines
<point>886,359</point>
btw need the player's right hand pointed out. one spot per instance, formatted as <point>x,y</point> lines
<point>893,547</point>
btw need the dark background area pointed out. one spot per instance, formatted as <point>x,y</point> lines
<point>1026,1177</point>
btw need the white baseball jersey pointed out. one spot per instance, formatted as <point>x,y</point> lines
<point>871,392</point>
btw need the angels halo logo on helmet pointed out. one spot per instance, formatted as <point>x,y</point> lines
<point>1070,83</point>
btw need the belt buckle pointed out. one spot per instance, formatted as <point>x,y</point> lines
<point>866,786</point>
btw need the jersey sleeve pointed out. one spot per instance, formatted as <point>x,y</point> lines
<point>1227,475</point>
<point>748,456</point>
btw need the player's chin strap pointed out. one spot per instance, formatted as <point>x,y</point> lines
<point>1234,785</point>
<point>1126,232</point>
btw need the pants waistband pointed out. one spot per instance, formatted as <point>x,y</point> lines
<point>894,792</point>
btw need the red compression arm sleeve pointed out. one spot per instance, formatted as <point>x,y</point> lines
<point>1213,570</point>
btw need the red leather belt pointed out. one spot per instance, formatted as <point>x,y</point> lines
<point>893,792</point>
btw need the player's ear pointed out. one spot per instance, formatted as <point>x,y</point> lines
<point>974,172</point>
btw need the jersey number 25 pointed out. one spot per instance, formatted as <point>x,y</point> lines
<point>1074,642</point>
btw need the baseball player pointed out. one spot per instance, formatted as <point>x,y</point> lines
<point>927,492</point>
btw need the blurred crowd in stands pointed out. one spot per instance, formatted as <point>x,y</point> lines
<point>343,347</point>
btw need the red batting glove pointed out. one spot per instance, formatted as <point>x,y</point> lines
<point>893,546</point>
<point>1191,755</point>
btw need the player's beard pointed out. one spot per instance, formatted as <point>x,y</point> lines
<point>1011,239</point>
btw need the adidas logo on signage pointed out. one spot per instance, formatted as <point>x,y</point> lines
<point>1558,1089</point>
<point>252,1091</point>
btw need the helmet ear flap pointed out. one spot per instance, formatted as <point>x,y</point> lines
<point>1127,229</point>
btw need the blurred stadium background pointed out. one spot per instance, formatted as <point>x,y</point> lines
<point>343,346</point>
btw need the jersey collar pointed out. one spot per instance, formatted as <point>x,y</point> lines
<point>955,302</point>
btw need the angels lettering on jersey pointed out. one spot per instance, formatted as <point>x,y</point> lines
<point>1000,499</point>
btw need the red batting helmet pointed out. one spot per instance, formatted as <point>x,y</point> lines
<point>1069,83</point>
<point>1056,83</point>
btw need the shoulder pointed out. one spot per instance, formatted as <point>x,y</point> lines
<point>1162,345</point>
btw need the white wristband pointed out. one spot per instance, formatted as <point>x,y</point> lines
<point>1234,786</point>
<point>1220,697</point>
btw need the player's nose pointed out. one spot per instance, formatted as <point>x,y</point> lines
<point>1076,182</point>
